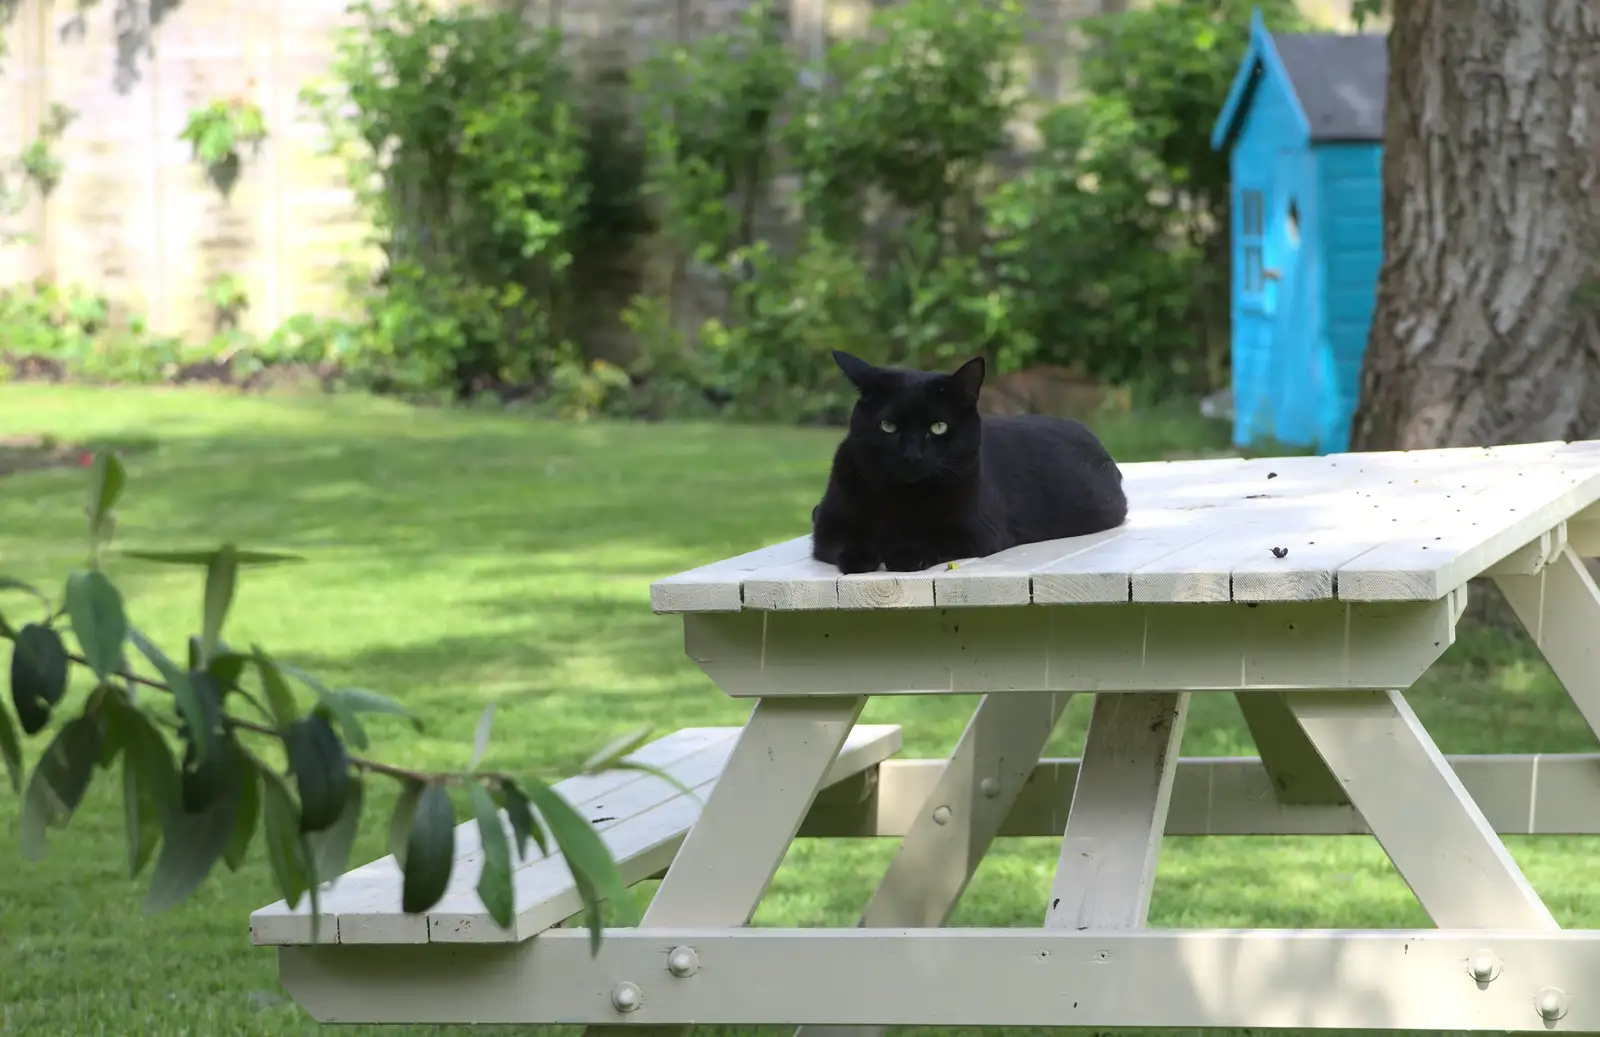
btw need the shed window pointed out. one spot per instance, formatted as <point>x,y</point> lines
<point>1252,213</point>
<point>1253,281</point>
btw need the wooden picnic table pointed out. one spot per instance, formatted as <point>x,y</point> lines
<point>1315,590</point>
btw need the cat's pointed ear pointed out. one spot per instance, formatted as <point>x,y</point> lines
<point>968,379</point>
<point>861,374</point>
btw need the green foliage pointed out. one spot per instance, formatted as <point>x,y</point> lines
<point>888,257</point>
<point>913,111</point>
<point>229,299</point>
<point>36,170</point>
<point>1119,229</point>
<point>710,110</point>
<point>1108,254</point>
<point>461,139</point>
<point>1367,10</point>
<point>250,756</point>
<point>217,131</point>
<point>89,339</point>
<point>39,161</point>
<point>859,204</point>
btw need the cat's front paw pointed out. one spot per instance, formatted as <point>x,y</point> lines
<point>907,561</point>
<point>853,560</point>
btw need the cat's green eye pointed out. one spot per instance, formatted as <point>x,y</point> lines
<point>887,426</point>
<point>938,428</point>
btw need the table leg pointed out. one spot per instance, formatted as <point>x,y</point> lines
<point>1299,777</point>
<point>1559,606</point>
<point>976,790</point>
<point>1119,812</point>
<point>728,858</point>
<point>1417,808</point>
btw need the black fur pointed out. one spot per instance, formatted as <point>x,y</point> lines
<point>911,499</point>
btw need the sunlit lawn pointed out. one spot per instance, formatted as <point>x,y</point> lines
<point>458,559</point>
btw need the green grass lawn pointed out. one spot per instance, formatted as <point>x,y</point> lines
<point>461,558</point>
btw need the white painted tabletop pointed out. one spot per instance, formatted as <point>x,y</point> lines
<point>1399,526</point>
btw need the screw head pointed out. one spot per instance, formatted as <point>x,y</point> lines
<point>625,997</point>
<point>1483,967</point>
<point>683,962</point>
<point>941,815</point>
<point>989,787</point>
<point>1551,1004</point>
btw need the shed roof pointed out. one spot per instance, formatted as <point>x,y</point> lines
<point>1338,82</point>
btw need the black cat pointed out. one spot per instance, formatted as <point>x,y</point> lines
<point>922,479</point>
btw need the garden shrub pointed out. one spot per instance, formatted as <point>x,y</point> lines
<point>887,257</point>
<point>463,144</point>
<point>1122,218</point>
<point>1107,254</point>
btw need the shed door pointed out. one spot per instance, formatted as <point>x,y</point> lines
<point>1296,375</point>
<point>1253,302</point>
<point>1256,291</point>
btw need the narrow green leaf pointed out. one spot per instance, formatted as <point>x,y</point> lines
<point>360,700</point>
<point>38,675</point>
<point>109,713</point>
<point>243,558</point>
<point>284,846</point>
<point>246,817</point>
<point>149,783</point>
<point>194,840</point>
<point>609,756</point>
<point>494,883</point>
<point>313,889</point>
<point>59,781</point>
<point>222,577</point>
<point>190,706</point>
<point>330,705</point>
<point>405,808</point>
<point>106,482</point>
<point>587,857</point>
<point>480,738</point>
<point>645,768</point>
<point>523,826</point>
<point>141,816</point>
<point>280,700</point>
<point>201,773</point>
<point>430,850</point>
<point>11,750</point>
<point>227,667</point>
<point>321,770</point>
<point>8,583</point>
<point>98,621</point>
<point>330,848</point>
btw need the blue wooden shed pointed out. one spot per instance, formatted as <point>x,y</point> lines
<point>1303,123</point>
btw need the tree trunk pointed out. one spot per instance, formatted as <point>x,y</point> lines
<point>1486,328</point>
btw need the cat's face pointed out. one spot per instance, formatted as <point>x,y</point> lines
<point>914,425</point>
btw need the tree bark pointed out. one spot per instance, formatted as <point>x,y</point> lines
<point>1486,328</point>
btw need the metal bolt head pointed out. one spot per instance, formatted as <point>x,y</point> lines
<point>1483,967</point>
<point>1551,1004</point>
<point>941,815</point>
<point>625,997</point>
<point>683,962</point>
<point>989,787</point>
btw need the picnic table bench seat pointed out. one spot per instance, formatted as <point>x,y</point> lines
<point>641,818</point>
<point>1314,591</point>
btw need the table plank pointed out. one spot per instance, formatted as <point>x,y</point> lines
<point>1456,545</point>
<point>1376,495</point>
